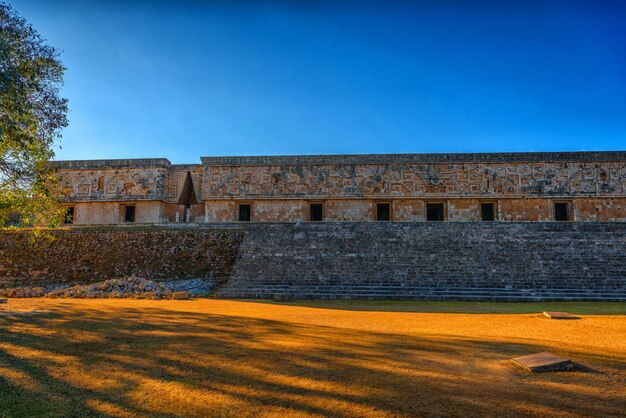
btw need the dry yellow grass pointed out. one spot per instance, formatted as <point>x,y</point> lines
<point>235,358</point>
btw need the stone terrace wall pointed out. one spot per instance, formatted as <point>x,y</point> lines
<point>92,254</point>
<point>475,260</point>
<point>351,260</point>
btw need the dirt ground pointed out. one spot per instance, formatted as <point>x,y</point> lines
<point>206,357</point>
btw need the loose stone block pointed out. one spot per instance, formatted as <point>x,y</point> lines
<point>180,295</point>
<point>543,362</point>
<point>560,315</point>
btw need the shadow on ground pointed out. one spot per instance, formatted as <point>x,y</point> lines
<point>107,361</point>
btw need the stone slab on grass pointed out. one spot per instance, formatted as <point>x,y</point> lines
<point>560,315</point>
<point>180,295</point>
<point>543,362</point>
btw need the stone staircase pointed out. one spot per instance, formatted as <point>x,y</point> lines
<point>431,261</point>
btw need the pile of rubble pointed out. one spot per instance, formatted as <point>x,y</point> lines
<point>127,287</point>
<point>23,292</point>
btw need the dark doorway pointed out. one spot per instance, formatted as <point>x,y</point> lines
<point>561,212</point>
<point>244,213</point>
<point>434,211</point>
<point>487,211</point>
<point>383,212</point>
<point>129,214</point>
<point>187,197</point>
<point>69,215</point>
<point>316,212</point>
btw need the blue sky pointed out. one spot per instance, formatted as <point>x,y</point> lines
<point>185,79</point>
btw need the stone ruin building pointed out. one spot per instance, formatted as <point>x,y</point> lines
<point>501,187</point>
<point>509,226</point>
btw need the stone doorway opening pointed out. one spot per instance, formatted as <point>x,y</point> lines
<point>187,197</point>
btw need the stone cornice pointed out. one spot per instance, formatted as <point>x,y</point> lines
<point>109,164</point>
<point>503,157</point>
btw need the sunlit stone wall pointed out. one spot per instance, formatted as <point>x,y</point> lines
<point>522,186</point>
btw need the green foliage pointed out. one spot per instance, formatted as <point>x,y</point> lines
<point>32,115</point>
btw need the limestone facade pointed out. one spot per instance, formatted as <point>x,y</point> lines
<point>572,186</point>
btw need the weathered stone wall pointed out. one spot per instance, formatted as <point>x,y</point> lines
<point>112,180</point>
<point>93,254</point>
<point>220,211</point>
<point>403,210</point>
<point>473,260</point>
<point>277,211</point>
<point>417,175</point>
<point>524,187</point>
<point>349,210</point>
<point>113,212</point>
<point>414,210</point>
<point>352,260</point>
<point>176,179</point>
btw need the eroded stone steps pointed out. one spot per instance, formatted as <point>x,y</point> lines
<point>451,297</point>
<point>348,292</point>
<point>434,286</point>
<point>270,289</point>
<point>419,288</point>
<point>422,294</point>
<point>425,291</point>
<point>468,261</point>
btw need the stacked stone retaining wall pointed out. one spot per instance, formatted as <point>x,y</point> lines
<point>342,260</point>
<point>87,255</point>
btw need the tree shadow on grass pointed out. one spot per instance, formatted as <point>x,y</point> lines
<point>108,361</point>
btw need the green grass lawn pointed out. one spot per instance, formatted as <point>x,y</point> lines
<point>581,308</point>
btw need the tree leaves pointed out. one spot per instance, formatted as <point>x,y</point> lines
<point>32,115</point>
